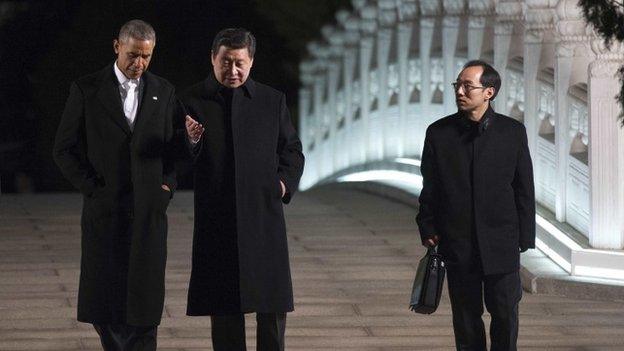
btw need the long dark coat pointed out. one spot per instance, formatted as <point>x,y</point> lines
<point>119,172</point>
<point>240,252</point>
<point>478,192</point>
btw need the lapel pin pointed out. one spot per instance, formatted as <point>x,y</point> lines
<point>155,97</point>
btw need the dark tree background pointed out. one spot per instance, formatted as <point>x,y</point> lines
<point>46,44</point>
<point>607,17</point>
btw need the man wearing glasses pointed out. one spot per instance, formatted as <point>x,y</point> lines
<point>478,206</point>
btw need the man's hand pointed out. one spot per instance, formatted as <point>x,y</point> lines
<point>165,187</point>
<point>194,130</point>
<point>432,241</point>
<point>283,188</point>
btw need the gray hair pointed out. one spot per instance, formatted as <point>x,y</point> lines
<point>137,29</point>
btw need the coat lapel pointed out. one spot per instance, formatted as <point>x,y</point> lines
<point>108,94</point>
<point>149,100</point>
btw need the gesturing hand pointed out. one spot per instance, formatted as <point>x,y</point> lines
<point>194,130</point>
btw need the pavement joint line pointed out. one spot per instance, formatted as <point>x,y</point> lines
<point>356,309</point>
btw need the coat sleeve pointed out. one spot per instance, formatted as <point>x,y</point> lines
<point>169,154</point>
<point>289,151</point>
<point>524,193</point>
<point>70,146</point>
<point>428,195</point>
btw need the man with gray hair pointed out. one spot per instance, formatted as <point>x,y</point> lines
<point>114,144</point>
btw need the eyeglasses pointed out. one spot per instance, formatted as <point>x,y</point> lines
<point>467,87</point>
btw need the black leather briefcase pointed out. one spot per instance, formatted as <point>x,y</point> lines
<point>428,283</point>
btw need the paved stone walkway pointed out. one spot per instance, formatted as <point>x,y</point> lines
<point>353,260</point>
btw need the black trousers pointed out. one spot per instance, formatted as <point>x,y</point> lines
<point>123,337</point>
<point>228,332</point>
<point>501,292</point>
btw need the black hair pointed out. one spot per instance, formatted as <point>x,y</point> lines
<point>234,38</point>
<point>489,77</point>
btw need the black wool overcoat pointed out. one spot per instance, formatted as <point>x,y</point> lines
<point>120,172</point>
<point>478,192</point>
<point>240,252</point>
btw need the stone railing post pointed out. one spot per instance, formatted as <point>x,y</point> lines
<point>453,10</point>
<point>407,11</point>
<point>386,18</point>
<point>480,12</point>
<point>572,43</point>
<point>368,27</point>
<point>606,148</point>
<point>430,10</point>
<point>349,62</point>
<point>507,13</point>
<point>538,37</point>
<point>334,62</point>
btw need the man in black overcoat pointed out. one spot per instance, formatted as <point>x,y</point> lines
<point>114,145</point>
<point>247,162</point>
<point>478,205</point>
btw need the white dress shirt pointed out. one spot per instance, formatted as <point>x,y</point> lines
<point>129,92</point>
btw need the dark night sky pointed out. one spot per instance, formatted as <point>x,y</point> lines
<point>47,44</point>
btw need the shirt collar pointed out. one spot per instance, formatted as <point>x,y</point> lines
<point>121,78</point>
